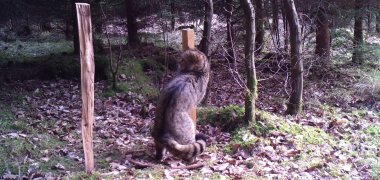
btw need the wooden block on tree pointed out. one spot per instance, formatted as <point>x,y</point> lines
<point>188,42</point>
<point>188,39</point>
<point>87,81</point>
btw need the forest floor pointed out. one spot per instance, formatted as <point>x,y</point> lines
<point>336,136</point>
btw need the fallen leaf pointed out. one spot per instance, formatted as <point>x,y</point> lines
<point>58,166</point>
<point>117,166</point>
<point>220,167</point>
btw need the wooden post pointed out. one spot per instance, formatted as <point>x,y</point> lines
<point>187,39</point>
<point>189,43</point>
<point>87,81</point>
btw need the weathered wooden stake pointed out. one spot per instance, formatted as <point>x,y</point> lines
<point>188,39</point>
<point>189,43</point>
<point>87,81</point>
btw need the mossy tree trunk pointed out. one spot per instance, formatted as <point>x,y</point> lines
<point>294,105</point>
<point>249,51</point>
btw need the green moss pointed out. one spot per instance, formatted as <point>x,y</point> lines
<point>369,84</point>
<point>227,149</point>
<point>255,88</point>
<point>155,173</point>
<point>68,163</point>
<point>46,141</point>
<point>375,169</point>
<point>341,36</point>
<point>333,170</point>
<point>228,118</point>
<point>359,113</point>
<point>244,137</point>
<point>371,52</point>
<point>373,133</point>
<point>83,176</point>
<point>306,134</point>
<point>27,50</point>
<point>211,176</point>
<point>68,67</point>
<point>12,154</point>
<point>265,123</point>
<point>137,80</point>
<point>14,150</point>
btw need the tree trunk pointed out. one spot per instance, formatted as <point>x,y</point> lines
<point>204,45</point>
<point>67,29</point>
<point>249,51</point>
<point>130,7</point>
<point>260,31</point>
<point>294,105</point>
<point>322,47</point>
<point>378,23</point>
<point>285,25</point>
<point>230,33</point>
<point>205,42</point>
<point>369,19</point>
<point>358,34</point>
<point>369,23</point>
<point>172,12</point>
<point>97,14</point>
<point>75,25</point>
<point>276,32</point>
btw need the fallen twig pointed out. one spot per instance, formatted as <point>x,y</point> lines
<point>134,151</point>
<point>141,164</point>
<point>189,167</point>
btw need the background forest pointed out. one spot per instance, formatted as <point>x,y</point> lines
<point>294,90</point>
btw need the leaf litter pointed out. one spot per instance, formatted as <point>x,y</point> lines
<point>123,144</point>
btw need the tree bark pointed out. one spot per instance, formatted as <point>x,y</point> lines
<point>75,25</point>
<point>67,29</point>
<point>260,31</point>
<point>205,42</point>
<point>285,24</point>
<point>294,105</point>
<point>231,54</point>
<point>322,47</point>
<point>357,56</point>
<point>249,51</point>
<point>98,21</point>
<point>369,19</point>
<point>130,6</point>
<point>204,45</point>
<point>172,12</point>
<point>275,25</point>
<point>378,23</point>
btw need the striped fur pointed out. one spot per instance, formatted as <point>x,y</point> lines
<point>187,152</point>
<point>173,129</point>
